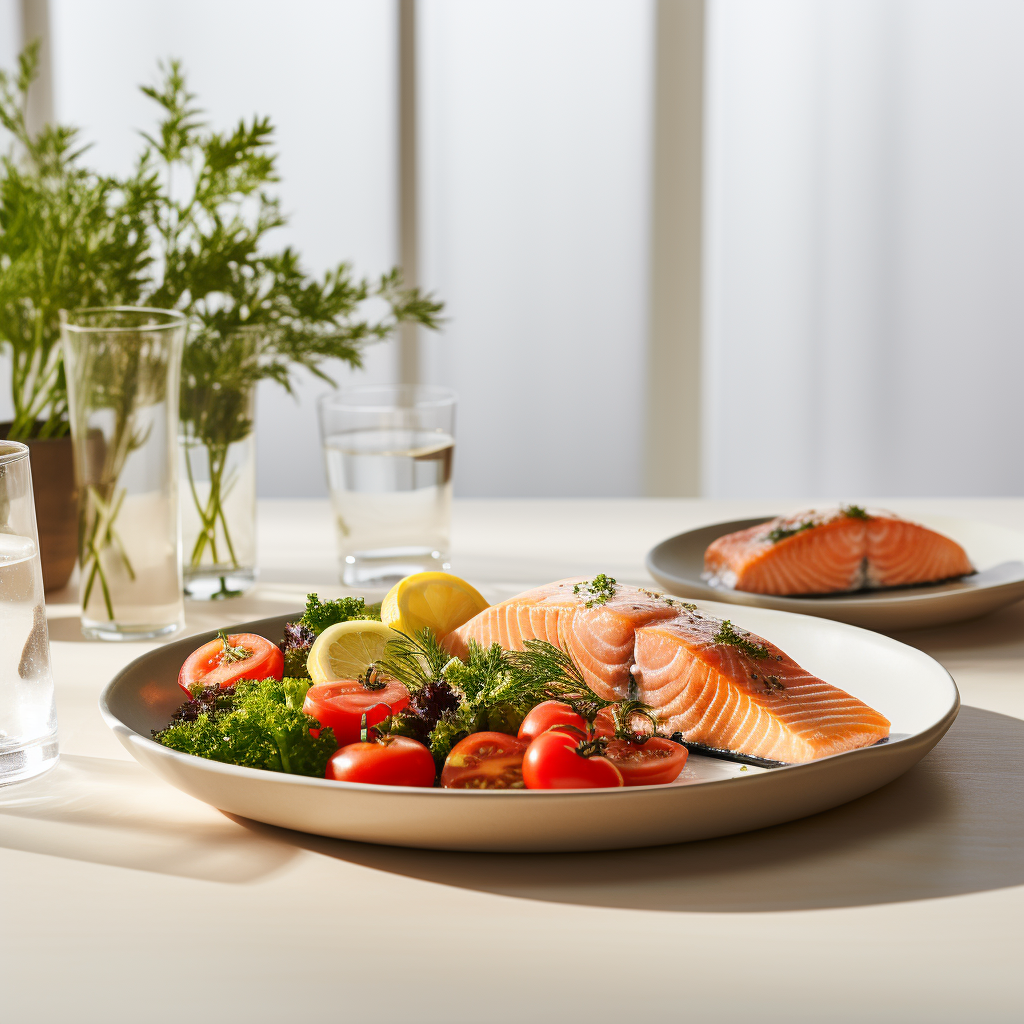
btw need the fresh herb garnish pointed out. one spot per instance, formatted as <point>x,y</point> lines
<point>597,592</point>
<point>492,689</point>
<point>855,512</point>
<point>259,724</point>
<point>321,614</point>
<point>727,634</point>
<point>773,684</point>
<point>782,532</point>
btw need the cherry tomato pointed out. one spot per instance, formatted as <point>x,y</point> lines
<point>652,763</point>
<point>553,762</point>
<point>485,760</point>
<point>548,714</point>
<point>395,761</point>
<point>342,703</point>
<point>226,660</point>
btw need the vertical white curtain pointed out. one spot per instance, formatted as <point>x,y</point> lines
<point>535,157</point>
<point>864,254</point>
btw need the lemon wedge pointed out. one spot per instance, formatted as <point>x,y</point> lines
<point>430,600</point>
<point>347,649</point>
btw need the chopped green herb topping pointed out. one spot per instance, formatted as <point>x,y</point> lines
<point>782,532</point>
<point>670,601</point>
<point>741,641</point>
<point>598,591</point>
<point>855,512</point>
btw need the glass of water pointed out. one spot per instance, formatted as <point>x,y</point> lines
<point>389,449</point>
<point>123,369</point>
<point>28,721</point>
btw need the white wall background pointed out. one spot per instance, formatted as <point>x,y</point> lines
<point>535,182</point>
<point>865,248</point>
<point>864,227</point>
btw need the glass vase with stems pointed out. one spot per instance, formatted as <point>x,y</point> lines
<point>123,366</point>
<point>218,454</point>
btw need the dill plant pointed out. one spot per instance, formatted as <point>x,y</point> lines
<point>256,314</point>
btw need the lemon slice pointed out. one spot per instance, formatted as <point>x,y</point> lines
<point>430,600</point>
<point>347,649</point>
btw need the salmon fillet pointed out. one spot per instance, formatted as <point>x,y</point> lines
<point>832,552</point>
<point>718,686</point>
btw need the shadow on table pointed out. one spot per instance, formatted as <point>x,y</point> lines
<point>953,824</point>
<point>115,812</point>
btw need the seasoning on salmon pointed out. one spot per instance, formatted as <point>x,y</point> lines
<point>718,685</point>
<point>833,551</point>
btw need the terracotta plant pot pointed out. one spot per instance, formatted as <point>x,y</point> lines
<point>53,483</point>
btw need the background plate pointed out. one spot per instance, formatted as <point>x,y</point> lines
<point>996,552</point>
<point>712,797</point>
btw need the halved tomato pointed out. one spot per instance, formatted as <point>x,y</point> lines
<point>342,704</point>
<point>652,763</point>
<point>228,659</point>
<point>485,760</point>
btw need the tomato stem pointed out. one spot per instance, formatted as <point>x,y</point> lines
<point>230,654</point>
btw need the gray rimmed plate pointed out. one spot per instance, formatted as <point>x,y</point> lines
<point>995,551</point>
<point>711,798</point>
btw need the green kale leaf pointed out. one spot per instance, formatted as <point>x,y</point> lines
<point>260,725</point>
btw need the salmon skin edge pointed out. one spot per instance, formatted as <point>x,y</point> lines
<point>758,762</point>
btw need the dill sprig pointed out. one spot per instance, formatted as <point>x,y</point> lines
<point>414,660</point>
<point>727,634</point>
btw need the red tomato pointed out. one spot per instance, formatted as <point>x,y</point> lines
<point>549,713</point>
<point>485,760</point>
<point>226,660</point>
<point>553,762</point>
<point>342,703</point>
<point>652,763</point>
<point>396,761</point>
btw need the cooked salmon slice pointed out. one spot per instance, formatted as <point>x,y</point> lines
<point>597,634</point>
<point>718,686</point>
<point>833,551</point>
<point>745,695</point>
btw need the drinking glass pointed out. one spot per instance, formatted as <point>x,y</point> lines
<point>28,720</point>
<point>388,449</point>
<point>123,367</point>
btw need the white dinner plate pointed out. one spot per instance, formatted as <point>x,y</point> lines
<point>711,798</point>
<point>996,552</point>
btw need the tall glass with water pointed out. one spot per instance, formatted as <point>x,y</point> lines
<point>28,721</point>
<point>123,369</point>
<point>389,450</point>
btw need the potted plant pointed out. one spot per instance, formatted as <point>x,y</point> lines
<point>68,238</point>
<point>257,315</point>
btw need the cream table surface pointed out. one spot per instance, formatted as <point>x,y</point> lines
<point>123,899</point>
